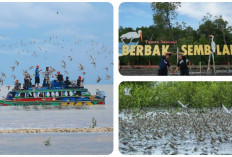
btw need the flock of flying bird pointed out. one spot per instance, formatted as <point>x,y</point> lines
<point>96,50</point>
<point>191,131</point>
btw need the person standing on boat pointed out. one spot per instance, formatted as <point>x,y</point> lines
<point>46,77</point>
<point>37,79</point>
<point>164,64</point>
<point>17,85</point>
<point>80,82</point>
<point>67,82</point>
<point>27,81</point>
<point>60,79</point>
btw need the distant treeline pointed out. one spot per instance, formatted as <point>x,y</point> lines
<point>164,29</point>
<point>165,94</point>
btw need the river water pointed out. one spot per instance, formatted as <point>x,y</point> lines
<point>19,117</point>
<point>60,144</point>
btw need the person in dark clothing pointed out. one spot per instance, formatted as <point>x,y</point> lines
<point>27,82</point>
<point>60,77</point>
<point>164,64</point>
<point>67,82</point>
<point>182,65</point>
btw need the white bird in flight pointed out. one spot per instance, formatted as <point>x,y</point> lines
<point>227,111</point>
<point>182,105</point>
<point>127,91</point>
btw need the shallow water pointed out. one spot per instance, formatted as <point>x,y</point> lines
<point>161,132</point>
<point>60,144</point>
<point>59,117</point>
<point>19,117</point>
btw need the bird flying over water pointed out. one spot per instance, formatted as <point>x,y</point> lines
<point>3,75</point>
<point>108,77</point>
<point>98,79</point>
<point>66,73</point>
<point>81,67</point>
<point>12,68</point>
<point>17,63</point>
<point>94,64</point>
<point>70,58</point>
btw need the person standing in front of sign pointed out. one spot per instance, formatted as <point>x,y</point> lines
<point>182,65</point>
<point>164,64</point>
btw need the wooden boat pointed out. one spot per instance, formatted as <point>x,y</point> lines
<point>53,96</point>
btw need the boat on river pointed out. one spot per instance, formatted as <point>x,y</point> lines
<point>56,95</point>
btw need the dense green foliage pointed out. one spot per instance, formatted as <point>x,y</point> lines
<point>165,29</point>
<point>166,94</point>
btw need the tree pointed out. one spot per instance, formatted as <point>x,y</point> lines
<point>164,13</point>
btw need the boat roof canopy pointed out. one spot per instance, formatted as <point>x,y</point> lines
<point>53,90</point>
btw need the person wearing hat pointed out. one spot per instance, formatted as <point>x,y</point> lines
<point>17,85</point>
<point>60,77</point>
<point>164,64</point>
<point>80,82</point>
<point>37,78</point>
<point>182,65</point>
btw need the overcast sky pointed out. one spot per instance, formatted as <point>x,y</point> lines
<point>46,33</point>
<point>140,14</point>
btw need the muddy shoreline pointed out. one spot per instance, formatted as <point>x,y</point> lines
<point>57,130</point>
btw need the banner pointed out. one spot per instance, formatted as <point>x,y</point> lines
<point>191,50</point>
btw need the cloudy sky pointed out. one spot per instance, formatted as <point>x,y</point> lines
<point>46,33</point>
<point>140,14</point>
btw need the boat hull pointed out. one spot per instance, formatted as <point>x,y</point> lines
<point>54,97</point>
<point>52,103</point>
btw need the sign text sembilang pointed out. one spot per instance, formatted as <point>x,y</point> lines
<point>148,50</point>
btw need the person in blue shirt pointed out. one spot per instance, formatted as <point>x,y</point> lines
<point>37,78</point>
<point>164,64</point>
